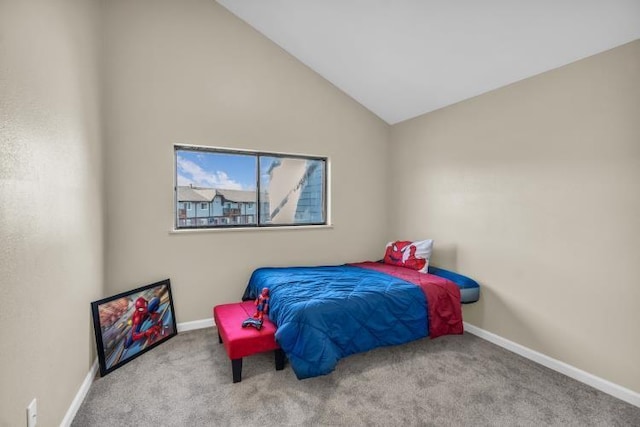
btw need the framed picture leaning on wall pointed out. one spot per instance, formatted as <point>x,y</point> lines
<point>131,323</point>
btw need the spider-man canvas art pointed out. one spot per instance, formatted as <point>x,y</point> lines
<point>128,324</point>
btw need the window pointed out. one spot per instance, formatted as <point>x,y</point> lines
<point>249,188</point>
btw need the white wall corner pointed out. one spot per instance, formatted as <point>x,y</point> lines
<point>601,384</point>
<point>82,393</point>
<point>196,324</point>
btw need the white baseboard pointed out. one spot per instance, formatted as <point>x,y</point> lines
<point>88,380</point>
<point>601,384</point>
<point>82,393</point>
<point>196,324</point>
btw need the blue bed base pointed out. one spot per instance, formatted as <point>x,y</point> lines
<point>469,288</point>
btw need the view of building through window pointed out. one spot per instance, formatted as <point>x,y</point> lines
<point>220,188</point>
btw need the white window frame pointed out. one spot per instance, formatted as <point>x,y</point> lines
<point>326,200</point>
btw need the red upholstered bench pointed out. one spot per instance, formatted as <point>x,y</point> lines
<point>240,342</point>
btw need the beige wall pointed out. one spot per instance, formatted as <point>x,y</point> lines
<point>50,204</point>
<point>190,72</point>
<point>533,189</point>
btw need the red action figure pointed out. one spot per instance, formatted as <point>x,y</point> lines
<point>262,304</point>
<point>262,308</point>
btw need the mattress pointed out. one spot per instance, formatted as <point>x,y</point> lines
<point>469,288</point>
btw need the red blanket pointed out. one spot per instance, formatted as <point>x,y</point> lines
<point>443,297</point>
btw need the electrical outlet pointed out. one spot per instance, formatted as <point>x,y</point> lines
<point>32,413</point>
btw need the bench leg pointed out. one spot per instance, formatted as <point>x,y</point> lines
<point>236,368</point>
<point>279,359</point>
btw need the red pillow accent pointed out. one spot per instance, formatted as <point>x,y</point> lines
<point>413,255</point>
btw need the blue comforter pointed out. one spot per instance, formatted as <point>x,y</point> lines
<point>326,313</point>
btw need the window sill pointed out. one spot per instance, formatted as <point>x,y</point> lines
<point>235,229</point>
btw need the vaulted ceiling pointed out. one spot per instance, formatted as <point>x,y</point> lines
<point>404,58</point>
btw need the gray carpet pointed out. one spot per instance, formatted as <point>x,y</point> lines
<point>449,381</point>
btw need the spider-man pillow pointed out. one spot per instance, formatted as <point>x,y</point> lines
<point>414,255</point>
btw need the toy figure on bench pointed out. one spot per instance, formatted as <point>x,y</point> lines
<point>262,308</point>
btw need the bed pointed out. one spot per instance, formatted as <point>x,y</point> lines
<point>326,313</point>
